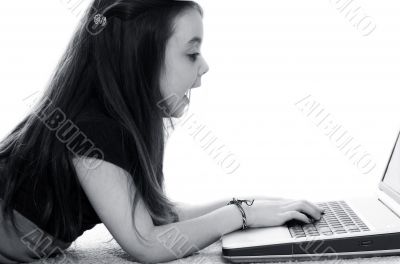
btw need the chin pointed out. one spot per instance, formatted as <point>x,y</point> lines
<point>180,113</point>
<point>177,115</point>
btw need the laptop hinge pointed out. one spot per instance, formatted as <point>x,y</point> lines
<point>389,202</point>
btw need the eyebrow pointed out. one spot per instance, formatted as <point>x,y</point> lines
<point>194,41</point>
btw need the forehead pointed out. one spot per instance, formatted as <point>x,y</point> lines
<point>188,29</point>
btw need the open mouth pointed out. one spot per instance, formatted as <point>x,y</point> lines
<point>185,100</point>
<point>187,95</point>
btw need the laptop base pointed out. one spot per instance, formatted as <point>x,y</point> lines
<point>312,257</point>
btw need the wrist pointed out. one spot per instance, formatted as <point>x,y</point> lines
<point>243,206</point>
<point>248,212</point>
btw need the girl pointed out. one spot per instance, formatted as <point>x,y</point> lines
<point>91,151</point>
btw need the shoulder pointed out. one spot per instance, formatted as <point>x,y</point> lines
<point>94,122</point>
<point>100,126</point>
<point>103,138</point>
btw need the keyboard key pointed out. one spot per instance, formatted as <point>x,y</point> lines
<point>339,218</point>
<point>324,229</point>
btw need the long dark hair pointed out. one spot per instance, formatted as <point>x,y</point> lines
<point>120,65</point>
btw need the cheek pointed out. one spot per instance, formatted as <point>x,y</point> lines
<point>181,72</point>
<point>189,72</point>
<point>182,77</point>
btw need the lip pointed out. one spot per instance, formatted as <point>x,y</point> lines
<point>197,83</point>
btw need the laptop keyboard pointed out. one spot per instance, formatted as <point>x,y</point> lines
<point>339,218</point>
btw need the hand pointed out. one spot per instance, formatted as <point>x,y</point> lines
<point>276,212</point>
<point>265,198</point>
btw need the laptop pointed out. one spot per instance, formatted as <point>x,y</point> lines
<point>355,227</point>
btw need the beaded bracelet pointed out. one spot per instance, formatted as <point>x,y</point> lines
<point>239,205</point>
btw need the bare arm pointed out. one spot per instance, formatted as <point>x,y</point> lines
<point>106,187</point>
<point>183,238</point>
<point>188,211</point>
<point>202,225</point>
<point>109,190</point>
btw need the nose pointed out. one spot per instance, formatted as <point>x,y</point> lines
<point>204,68</point>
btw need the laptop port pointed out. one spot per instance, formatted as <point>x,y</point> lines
<point>366,243</point>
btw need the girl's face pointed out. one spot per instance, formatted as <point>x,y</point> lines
<point>184,65</point>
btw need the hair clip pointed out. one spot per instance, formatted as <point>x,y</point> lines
<point>100,19</point>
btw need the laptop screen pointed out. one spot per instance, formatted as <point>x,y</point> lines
<point>391,176</point>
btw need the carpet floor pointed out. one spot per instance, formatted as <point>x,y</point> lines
<point>97,246</point>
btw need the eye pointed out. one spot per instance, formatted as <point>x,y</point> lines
<point>193,56</point>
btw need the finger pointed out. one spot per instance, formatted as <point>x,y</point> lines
<point>305,207</point>
<point>313,205</point>
<point>312,210</point>
<point>289,215</point>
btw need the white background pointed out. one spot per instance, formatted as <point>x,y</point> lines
<point>264,56</point>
